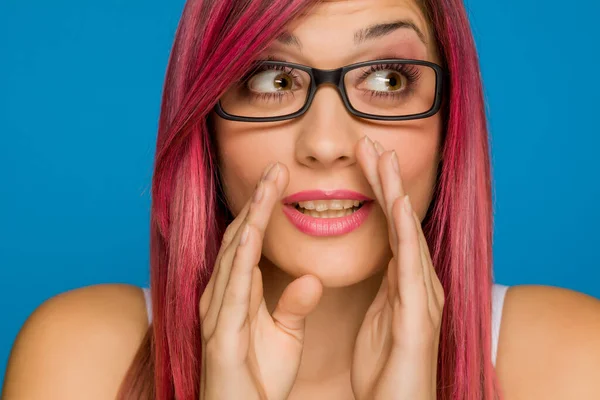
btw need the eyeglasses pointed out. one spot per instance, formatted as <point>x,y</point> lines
<point>385,90</point>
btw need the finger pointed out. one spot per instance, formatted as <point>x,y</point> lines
<point>388,172</point>
<point>434,281</point>
<point>258,216</point>
<point>371,157</point>
<point>298,300</point>
<point>235,303</point>
<point>411,284</point>
<point>367,157</point>
<point>380,298</point>
<point>234,307</point>
<point>256,292</point>
<point>228,236</point>
<point>391,182</point>
<point>431,299</point>
<point>392,278</point>
<point>435,306</point>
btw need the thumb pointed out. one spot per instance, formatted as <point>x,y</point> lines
<point>297,301</point>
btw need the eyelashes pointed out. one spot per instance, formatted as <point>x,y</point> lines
<point>258,85</point>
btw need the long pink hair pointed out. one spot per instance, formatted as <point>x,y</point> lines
<point>215,44</point>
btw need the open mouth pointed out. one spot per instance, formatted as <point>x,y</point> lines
<point>327,212</point>
<point>328,208</point>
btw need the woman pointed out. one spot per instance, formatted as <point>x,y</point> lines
<point>317,231</point>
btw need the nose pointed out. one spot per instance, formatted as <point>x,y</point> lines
<point>328,133</point>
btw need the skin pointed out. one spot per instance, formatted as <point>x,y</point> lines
<point>79,344</point>
<point>320,152</point>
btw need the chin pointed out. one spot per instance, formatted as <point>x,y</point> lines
<point>338,261</point>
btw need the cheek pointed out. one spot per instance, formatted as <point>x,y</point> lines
<point>238,182</point>
<point>238,172</point>
<point>244,151</point>
<point>418,149</point>
<point>419,181</point>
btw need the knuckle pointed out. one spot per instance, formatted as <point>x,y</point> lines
<point>233,297</point>
<point>236,253</point>
<point>397,206</point>
<point>219,349</point>
<point>238,256</point>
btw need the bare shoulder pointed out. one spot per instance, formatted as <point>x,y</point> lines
<point>77,345</point>
<point>549,344</point>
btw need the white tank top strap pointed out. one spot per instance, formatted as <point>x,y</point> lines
<point>148,298</point>
<point>498,294</point>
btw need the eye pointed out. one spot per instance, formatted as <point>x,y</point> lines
<point>384,81</point>
<point>271,81</point>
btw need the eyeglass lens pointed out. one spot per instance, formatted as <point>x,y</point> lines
<point>390,89</point>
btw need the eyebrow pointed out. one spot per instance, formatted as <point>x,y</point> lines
<point>362,35</point>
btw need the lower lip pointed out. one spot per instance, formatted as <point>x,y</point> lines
<point>327,226</point>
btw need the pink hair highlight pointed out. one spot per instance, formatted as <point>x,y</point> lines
<point>215,43</point>
<point>459,227</point>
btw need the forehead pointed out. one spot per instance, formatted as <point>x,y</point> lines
<point>336,32</point>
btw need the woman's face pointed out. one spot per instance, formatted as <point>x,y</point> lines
<point>319,148</point>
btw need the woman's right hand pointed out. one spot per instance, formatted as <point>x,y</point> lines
<point>247,353</point>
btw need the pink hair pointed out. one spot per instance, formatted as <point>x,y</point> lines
<point>215,44</point>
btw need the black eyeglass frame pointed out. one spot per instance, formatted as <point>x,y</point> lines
<point>335,77</point>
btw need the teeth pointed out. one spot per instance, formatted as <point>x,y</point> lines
<point>328,208</point>
<point>324,205</point>
<point>328,214</point>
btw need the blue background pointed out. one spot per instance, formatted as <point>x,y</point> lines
<point>80,87</point>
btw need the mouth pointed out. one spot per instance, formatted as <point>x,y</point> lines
<point>327,213</point>
<point>335,208</point>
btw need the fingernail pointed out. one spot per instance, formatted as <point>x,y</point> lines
<point>370,145</point>
<point>379,148</point>
<point>244,237</point>
<point>407,205</point>
<point>266,171</point>
<point>395,162</point>
<point>258,194</point>
<point>273,172</point>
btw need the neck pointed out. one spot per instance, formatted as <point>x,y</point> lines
<point>331,329</point>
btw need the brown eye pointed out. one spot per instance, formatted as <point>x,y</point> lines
<point>385,81</point>
<point>271,81</point>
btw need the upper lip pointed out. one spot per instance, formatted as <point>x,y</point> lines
<point>339,194</point>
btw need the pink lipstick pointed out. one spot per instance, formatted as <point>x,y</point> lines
<point>321,222</point>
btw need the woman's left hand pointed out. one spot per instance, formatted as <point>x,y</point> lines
<point>395,354</point>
